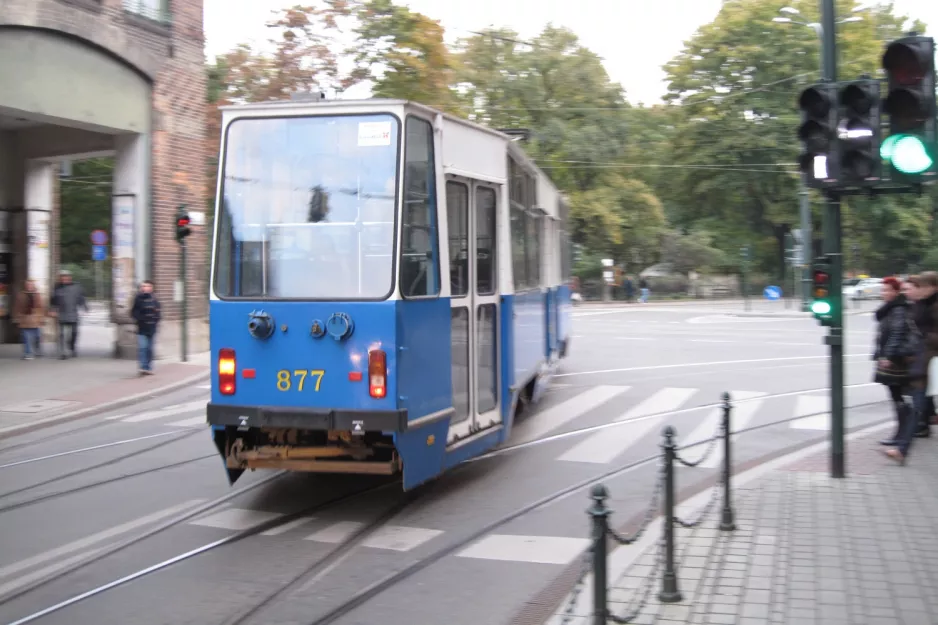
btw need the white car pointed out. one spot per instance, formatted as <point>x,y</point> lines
<point>868,288</point>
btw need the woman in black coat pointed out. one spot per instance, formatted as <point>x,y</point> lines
<point>892,341</point>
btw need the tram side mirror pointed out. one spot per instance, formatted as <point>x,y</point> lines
<point>260,325</point>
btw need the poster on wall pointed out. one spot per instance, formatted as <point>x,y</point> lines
<point>6,278</point>
<point>122,253</point>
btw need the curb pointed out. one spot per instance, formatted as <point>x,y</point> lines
<point>88,411</point>
<point>542,607</point>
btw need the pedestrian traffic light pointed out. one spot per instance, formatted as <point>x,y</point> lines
<point>911,149</point>
<point>823,305</point>
<point>817,133</point>
<point>182,224</point>
<point>859,133</point>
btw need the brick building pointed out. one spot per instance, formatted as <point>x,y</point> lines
<point>94,77</point>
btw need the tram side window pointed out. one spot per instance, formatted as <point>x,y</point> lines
<point>457,221</point>
<point>532,225</point>
<point>519,265</point>
<point>486,249</point>
<point>420,267</point>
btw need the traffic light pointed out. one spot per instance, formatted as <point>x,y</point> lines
<point>912,144</point>
<point>823,305</point>
<point>817,132</point>
<point>859,133</point>
<point>182,224</point>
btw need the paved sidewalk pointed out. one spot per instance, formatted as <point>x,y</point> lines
<point>808,549</point>
<point>46,391</point>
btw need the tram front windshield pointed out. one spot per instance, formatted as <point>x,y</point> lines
<point>307,208</point>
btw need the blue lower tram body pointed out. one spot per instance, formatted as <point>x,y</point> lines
<point>302,401</point>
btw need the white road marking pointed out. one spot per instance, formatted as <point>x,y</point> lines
<point>399,537</point>
<point>705,364</point>
<point>236,519</point>
<point>82,543</point>
<point>808,405</point>
<point>740,417</point>
<point>189,423</point>
<point>205,386</point>
<point>603,447</point>
<point>286,527</point>
<point>336,532</point>
<point>29,578</point>
<point>548,420</point>
<point>169,411</point>
<point>534,549</point>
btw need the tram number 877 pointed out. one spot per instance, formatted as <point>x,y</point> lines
<point>285,380</point>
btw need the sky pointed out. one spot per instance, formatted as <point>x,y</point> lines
<point>623,37</point>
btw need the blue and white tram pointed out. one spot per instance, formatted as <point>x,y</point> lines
<point>387,288</point>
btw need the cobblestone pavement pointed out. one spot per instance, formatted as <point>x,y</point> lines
<point>807,550</point>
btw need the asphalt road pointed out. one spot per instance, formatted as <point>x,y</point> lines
<point>81,490</point>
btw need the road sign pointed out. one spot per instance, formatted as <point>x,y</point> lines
<point>99,237</point>
<point>98,252</point>
<point>772,293</point>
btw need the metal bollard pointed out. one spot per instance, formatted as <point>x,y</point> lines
<point>669,591</point>
<point>600,514</point>
<point>727,522</point>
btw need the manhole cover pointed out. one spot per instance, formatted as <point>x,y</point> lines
<point>34,407</point>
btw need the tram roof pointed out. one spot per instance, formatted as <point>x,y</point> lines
<point>300,105</point>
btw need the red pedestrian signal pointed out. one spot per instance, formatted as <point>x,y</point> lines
<point>182,224</point>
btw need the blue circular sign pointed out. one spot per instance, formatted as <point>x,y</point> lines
<point>98,237</point>
<point>772,293</point>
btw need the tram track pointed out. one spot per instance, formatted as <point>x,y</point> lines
<point>341,551</point>
<point>99,465</point>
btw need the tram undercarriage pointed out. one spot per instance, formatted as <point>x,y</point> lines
<point>333,451</point>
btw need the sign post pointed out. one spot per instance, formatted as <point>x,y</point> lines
<point>99,240</point>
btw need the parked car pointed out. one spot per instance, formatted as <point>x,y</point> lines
<point>868,288</point>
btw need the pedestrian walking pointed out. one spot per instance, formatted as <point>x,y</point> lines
<point>643,286</point>
<point>924,290</point>
<point>629,287</point>
<point>146,311</point>
<point>895,345</point>
<point>28,314</point>
<point>67,298</point>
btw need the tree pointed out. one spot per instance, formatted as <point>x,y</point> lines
<point>620,217</point>
<point>690,252</point>
<point>734,87</point>
<point>404,54</point>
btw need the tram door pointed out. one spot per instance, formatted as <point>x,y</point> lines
<point>472,215</point>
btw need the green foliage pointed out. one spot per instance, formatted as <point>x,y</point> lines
<point>85,202</point>
<point>687,182</point>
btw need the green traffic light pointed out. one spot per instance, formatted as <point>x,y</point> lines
<point>820,307</point>
<point>888,146</point>
<point>910,156</point>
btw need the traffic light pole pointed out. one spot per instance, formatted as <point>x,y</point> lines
<point>185,307</point>
<point>807,247</point>
<point>833,247</point>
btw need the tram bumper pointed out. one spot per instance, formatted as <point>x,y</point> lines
<point>373,442</point>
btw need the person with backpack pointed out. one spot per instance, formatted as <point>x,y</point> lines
<point>146,312</point>
<point>28,314</point>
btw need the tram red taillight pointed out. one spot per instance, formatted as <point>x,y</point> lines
<point>227,366</point>
<point>377,374</point>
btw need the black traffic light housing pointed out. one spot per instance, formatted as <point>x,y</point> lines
<point>912,145</point>
<point>818,133</point>
<point>182,224</point>
<point>859,133</point>
<point>823,305</point>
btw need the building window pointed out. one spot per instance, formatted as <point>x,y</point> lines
<point>156,10</point>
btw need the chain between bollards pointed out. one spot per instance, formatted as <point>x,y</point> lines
<point>669,590</point>
<point>727,522</point>
<point>600,514</point>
